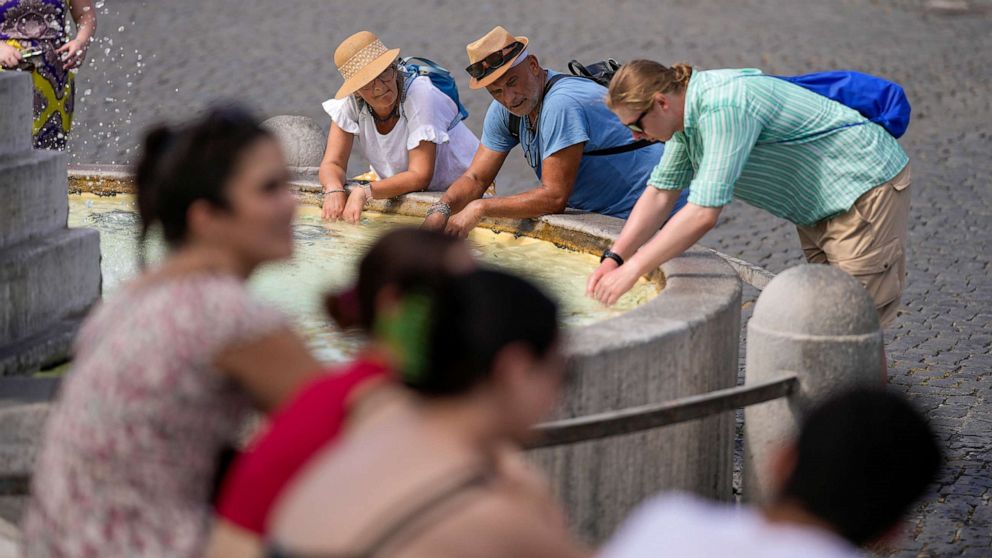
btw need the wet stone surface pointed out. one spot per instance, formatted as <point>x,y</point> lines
<point>155,62</point>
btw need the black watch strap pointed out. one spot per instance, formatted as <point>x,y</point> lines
<point>611,255</point>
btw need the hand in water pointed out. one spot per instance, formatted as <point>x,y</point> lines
<point>353,209</point>
<point>615,284</point>
<point>10,57</point>
<point>333,205</point>
<point>605,267</point>
<point>462,223</point>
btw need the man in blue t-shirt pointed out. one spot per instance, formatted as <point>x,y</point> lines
<point>563,132</point>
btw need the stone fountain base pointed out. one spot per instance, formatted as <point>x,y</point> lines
<point>49,274</point>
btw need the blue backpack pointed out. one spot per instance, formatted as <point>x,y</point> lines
<point>879,100</point>
<point>440,77</point>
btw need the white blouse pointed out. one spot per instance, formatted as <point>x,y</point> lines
<point>426,114</point>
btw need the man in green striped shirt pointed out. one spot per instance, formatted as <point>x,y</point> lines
<point>775,145</point>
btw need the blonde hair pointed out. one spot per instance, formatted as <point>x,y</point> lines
<point>635,84</point>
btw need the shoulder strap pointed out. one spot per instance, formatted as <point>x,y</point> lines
<point>420,510</point>
<point>616,150</point>
<point>514,125</point>
<point>426,61</point>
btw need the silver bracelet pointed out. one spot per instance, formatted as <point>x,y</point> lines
<point>339,190</point>
<point>439,207</point>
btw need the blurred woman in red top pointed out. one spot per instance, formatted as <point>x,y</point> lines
<point>401,260</point>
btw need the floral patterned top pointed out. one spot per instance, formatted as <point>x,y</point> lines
<point>131,446</point>
<point>33,19</point>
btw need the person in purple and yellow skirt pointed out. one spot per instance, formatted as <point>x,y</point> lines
<point>34,37</point>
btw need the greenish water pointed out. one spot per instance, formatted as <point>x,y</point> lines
<point>326,256</point>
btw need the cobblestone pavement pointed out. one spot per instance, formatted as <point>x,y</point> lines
<point>162,60</point>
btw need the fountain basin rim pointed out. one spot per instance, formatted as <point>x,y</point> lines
<point>696,285</point>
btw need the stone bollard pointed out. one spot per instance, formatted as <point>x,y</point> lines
<point>819,323</point>
<point>301,138</point>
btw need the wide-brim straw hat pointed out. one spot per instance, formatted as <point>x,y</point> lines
<point>493,41</point>
<point>360,58</point>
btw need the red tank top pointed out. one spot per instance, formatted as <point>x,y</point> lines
<point>297,431</point>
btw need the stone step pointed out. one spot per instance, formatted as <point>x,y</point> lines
<point>50,346</point>
<point>16,98</point>
<point>18,390</point>
<point>33,199</point>
<point>20,438</point>
<point>47,280</point>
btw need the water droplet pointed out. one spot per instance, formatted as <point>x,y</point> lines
<point>87,92</point>
<point>120,29</point>
<point>99,4</point>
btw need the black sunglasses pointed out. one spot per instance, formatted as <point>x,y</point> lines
<point>494,61</point>
<point>636,125</point>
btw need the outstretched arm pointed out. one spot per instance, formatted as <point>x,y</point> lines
<point>74,51</point>
<point>332,171</point>
<point>647,216</point>
<point>417,177</point>
<point>558,179</point>
<point>470,186</point>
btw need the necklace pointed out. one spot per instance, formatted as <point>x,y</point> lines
<point>527,144</point>
<point>392,114</point>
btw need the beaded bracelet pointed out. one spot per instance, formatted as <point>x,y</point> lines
<point>439,207</point>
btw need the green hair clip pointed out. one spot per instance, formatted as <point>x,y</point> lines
<point>405,331</point>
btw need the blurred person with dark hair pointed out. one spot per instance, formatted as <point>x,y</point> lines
<point>167,371</point>
<point>862,458</point>
<point>401,261</point>
<point>433,470</point>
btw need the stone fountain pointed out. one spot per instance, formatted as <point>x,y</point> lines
<point>49,274</point>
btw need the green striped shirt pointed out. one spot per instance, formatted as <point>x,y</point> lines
<point>774,145</point>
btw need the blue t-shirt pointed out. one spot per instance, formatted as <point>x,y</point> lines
<point>574,112</point>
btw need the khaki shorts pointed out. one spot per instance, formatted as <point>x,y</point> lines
<point>869,242</point>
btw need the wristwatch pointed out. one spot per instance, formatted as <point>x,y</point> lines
<point>611,255</point>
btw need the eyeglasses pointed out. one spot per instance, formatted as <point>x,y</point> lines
<point>494,61</point>
<point>387,75</point>
<point>636,125</point>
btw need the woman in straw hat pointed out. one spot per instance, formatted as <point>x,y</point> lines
<point>402,123</point>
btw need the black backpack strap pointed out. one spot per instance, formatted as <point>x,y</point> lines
<point>616,150</point>
<point>514,124</point>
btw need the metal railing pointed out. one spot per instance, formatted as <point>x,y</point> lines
<point>606,425</point>
<point>646,417</point>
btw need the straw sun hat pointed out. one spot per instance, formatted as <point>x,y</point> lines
<point>360,58</point>
<point>493,41</point>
